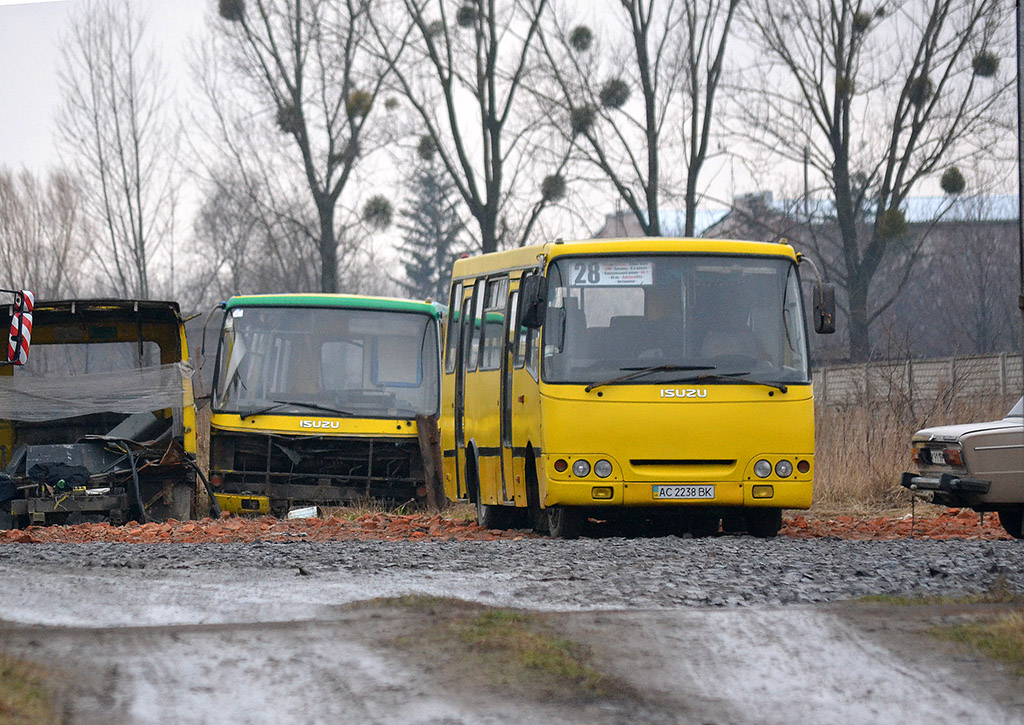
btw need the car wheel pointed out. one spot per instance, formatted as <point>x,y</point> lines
<point>1012,520</point>
<point>564,522</point>
<point>764,523</point>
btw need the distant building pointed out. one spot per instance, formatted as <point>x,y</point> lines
<point>761,216</point>
<point>624,223</point>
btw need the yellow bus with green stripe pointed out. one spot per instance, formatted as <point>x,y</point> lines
<point>665,380</point>
<point>316,399</point>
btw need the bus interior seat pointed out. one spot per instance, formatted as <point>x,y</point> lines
<point>737,341</point>
<point>621,336</point>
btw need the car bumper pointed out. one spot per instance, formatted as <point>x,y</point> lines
<point>946,482</point>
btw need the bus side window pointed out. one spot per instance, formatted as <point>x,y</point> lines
<point>454,329</point>
<point>470,340</point>
<point>512,333</point>
<point>493,323</point>
<point>532,351</point>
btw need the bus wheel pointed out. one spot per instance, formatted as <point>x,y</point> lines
<point>489,517</point>
<point>764,523</point>
<point>1012,521</point>
<point>564,522</point>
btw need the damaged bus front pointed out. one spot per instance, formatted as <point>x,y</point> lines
<point>319,400</point>
<point>98,424</point>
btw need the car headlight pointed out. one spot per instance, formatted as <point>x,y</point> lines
<point>603,468</point>
<point>763,469</point>
<point>783,469</point>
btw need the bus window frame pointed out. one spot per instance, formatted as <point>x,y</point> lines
<point>497,286</point>
<point>469,360</point>
<point>451,348</point>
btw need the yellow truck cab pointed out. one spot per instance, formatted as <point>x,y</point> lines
<point>99,423</point>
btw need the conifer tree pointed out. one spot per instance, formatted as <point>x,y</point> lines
<point>431,233</point>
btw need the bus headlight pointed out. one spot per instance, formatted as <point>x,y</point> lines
<point>580,468</point>
<point>783,469</point>
<point>763,469</point>
<point>603,468</point>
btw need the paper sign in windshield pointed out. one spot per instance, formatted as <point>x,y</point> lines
<point>611,274</point>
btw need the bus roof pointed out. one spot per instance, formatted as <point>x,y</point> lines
<point>527,257</point>
<point>358,302</point>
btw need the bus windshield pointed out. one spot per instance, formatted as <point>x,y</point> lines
<point>682,316</point>
<point>327,361</point>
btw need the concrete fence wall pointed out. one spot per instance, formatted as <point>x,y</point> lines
<point>976,375</point>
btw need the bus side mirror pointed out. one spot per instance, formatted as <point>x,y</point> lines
<point>824,309</point>
<point>533,296</point>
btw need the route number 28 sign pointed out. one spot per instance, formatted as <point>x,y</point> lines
<point>627,273</point>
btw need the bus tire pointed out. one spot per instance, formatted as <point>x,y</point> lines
<point>764,523</point>
<point>564,522</point>
<point>487,516</point>
<point>536,517</point>
<point>1012,521</point>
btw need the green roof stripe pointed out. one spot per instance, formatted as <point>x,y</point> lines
<point>358,302</point>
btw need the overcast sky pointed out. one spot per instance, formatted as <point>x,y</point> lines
<point>30,34</point>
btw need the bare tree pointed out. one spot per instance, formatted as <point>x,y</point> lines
<point>876,98</point>
<point>300,65</point>
<point>464,74</point>
<point>674,56</point>
<point>239,249</point>
<point>42,240</point>
<point>114,125</point>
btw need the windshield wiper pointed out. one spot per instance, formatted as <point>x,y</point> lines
<point>285,403</point>
<point>728,378</point>
<point>640,372</point>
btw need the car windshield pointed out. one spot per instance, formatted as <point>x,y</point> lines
<point>327,361</point>
<point>1017,411</point>
<point>673,317</point>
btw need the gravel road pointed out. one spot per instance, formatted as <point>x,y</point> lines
<point>545,574</point>
<point>719,630</point>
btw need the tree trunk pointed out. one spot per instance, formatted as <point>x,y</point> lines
<point>328,249</point>
<point>488,232</point>
<point>860,344</point>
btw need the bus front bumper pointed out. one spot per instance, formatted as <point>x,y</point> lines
<point>752,494</point>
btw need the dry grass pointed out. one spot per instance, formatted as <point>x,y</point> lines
<point>994,626</point>
<point>512,652</point>
<point>25,696</point>
<point>861,450</point>
<point>1001,638</point>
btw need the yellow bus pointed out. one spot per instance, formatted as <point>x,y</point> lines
<point>317,397</point>
<point>664,379</point>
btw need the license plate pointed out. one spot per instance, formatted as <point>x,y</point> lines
<point>684,492</point>
<point>937,457</point>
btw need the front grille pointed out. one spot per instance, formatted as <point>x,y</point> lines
<point>682,462</point>
<point>319,469</point>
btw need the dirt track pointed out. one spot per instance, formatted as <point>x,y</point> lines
<point>262,632</point>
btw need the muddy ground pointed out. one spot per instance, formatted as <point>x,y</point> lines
<point>728,629</point>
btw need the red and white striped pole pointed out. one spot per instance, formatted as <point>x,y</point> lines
<point>21,327</point>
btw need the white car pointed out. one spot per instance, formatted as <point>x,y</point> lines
<point>974,465</point>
